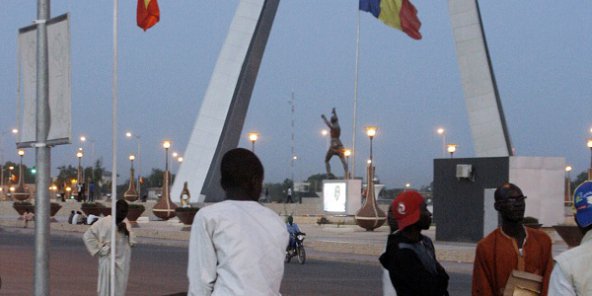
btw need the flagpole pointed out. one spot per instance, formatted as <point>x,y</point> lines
<point>353,168</point>
<point>114,146</point>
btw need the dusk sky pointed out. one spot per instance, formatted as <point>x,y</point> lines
<point>541,53</point>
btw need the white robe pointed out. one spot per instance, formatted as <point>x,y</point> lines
<point>236,248</point>
<point>98,242</point>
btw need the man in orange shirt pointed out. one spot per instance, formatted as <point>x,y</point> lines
<point>510,247</point>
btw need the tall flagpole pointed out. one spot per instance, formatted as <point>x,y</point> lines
<point>114,150</point>
<point>354,130</point>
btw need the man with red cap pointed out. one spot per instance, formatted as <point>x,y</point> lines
<point>410,257</point>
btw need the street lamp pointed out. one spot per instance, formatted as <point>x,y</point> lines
<point>451,149</point>
<point>79,177</point>
<point>442,132</point>
<point>371,132</point>
<point>590,169</point>
<point>347,153</point>
<point>407,186</point>
<point>567,200</point>
<point>21,153</point>
<point>129,135</point>
<point>253,136</point>
<point>131,194</point>
<point>166,145</point>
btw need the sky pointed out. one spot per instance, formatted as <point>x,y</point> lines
<point>541,53</point>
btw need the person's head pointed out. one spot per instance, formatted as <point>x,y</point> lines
<point>121,208</point>
<point>583,205</point>
<point>410,210</point>
<point>510,202</point>
<point>78,212</point>
<point>290,219</point>
<point>242,171</point>
<point>73,212</point>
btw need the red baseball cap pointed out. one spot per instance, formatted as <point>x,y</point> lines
<point>406,208</point>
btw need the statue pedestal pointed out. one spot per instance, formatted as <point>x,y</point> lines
<point>342,196</point>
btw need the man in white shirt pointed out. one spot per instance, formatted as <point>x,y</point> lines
<point>237,246</point>
<point>572,274</point>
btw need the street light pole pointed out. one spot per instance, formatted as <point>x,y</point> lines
<point>590,169</point>
<point>253,136</point>
<point>442,133</point>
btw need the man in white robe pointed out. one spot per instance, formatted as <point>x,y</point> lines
<point>237,246</point>
<point>98,242</point>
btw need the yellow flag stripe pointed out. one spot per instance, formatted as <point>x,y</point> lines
<point>389,13</point>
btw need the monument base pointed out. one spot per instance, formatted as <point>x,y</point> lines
<point>343,197</point>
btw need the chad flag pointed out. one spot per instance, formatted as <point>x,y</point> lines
<point>399,14</point>
<point>148,14</point>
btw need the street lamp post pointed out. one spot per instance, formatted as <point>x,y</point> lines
<point>85,139</point>
<point>371,132</point>
<point>451,149</point>
<point>166,145</point>
<point>347,153</point>
<point>129,135</point>
<point>567,200</point>
<point>442,132</point>
<point>79,177</point>
<point>589,143</point>
<point>253,136</point>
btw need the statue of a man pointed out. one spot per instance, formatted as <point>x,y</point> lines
<point>336,147</point>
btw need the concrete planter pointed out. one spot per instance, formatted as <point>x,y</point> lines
<point>571,234</point>
<point>92,208</point>
<point>186,215</point>
<point>21,207</point>
<point>134,212</point>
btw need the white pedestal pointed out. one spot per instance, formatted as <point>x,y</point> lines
<point>342,196</point>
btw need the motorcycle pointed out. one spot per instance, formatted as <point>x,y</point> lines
<point>298,250</point>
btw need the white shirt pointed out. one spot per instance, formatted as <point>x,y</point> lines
<point>236,248</point>
<point>572,274</point>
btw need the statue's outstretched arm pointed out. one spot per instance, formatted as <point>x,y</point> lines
<point>326,121</point>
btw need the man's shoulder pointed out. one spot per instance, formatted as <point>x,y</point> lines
<point>489,237</point>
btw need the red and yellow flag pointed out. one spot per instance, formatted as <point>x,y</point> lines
<point>148,14</point>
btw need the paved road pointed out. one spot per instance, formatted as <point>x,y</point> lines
<point>160,270</point>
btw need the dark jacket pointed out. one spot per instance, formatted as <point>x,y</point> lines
<point>413,268</point>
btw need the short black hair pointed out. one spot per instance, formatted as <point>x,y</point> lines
<point>505,190</point>
<point>238,167</point>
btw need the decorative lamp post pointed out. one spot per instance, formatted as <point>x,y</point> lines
<point>589,143</point>
<point>567,200</point>
<point>129,135</point>
<point>370,216</point>
<point>371,132</point>
<point>451,149</point>
<point>347,153</point>
<point>131,194</point>
<point>253,136</point>
<point>20,193</point>
<point>442,132</point>
<point>165,207</point>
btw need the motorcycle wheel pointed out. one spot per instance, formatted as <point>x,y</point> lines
<point>288,258</point>
<point>301,254</point>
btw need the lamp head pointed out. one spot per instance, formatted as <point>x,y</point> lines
<point>79,154</point>
<point>451,148</point>
<point>347,152</point>
<point>253,136</point>
<point>166,144</point>
<point>589,143</point>
<point>21,152</point>
<point>371,131</point>
<point>132,157</point>
<point>568,168</point>
<point>440,131</point>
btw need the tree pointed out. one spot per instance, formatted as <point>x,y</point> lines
<point>583,176</point>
